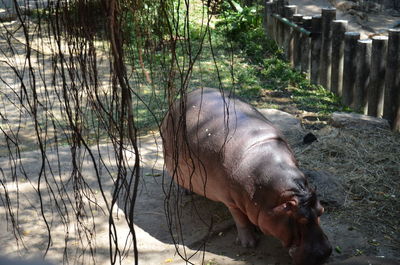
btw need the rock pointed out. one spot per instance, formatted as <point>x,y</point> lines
<point>345,5</point>
<point>329,190</point>
<point>394,13</point>
<point>389,3</point>
<point>364,260</point>
<point>373,7</point>
<point>396,24</point>
<point>359,14</point>
<point>309,138</point>
<point>287,123</point>
<point>353,120</point>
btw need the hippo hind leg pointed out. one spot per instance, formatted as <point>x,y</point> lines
<point>247,236</point>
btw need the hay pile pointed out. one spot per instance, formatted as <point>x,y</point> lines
<point>367,162</point>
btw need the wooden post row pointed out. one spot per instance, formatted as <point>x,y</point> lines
<point>377,81</point>
<point>365,73</point>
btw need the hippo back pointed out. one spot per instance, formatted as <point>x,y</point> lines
<point>216,134</point>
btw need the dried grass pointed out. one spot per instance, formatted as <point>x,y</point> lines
<point>367,162</point>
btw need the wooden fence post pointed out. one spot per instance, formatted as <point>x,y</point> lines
<point>290,10</point>
<point>392,81</point>
<point>274,21</point>
<point>305,46</point>
<point>396,121</point>
<point>349,67</point>
<point>296,42</point>
<point>268,20</point>
<point>377,81</point>
<point>339,27</point>
<point>315,48</point>
<point>281,27</point>
<point>281,6</point>
<point>265,16</point>
<point>328,15</point>
<point>362,75</point>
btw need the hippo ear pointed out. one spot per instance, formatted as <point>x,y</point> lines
<point>288,208</point>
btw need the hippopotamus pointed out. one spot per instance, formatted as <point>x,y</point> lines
<point>224,149</point>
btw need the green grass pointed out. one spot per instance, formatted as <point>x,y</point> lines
<point>305,95</point>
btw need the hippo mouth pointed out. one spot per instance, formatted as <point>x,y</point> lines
<point>292,250</point>
<point>308,247</point>
<point>295,241</point>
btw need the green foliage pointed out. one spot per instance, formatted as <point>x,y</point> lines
<point>278,73</point>
<point>248,83</point>
<point>236,24</point>
<point>244,28</point>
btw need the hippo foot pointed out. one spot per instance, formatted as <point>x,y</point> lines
<point>184,191</point>
<point>187,192</point>
<point>247,237</point>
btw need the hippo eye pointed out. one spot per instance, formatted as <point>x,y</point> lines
<point>320,212</point>
<point>320,209</point>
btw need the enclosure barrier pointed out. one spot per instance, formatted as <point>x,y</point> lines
<point>365,73</point>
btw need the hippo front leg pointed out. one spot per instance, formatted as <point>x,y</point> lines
<point>246,230</point>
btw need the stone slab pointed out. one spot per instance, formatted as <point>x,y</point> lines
<point>330,191</point>
<point>287,123</point>
<point>353,120</point>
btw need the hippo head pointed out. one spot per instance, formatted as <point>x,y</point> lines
<point>295,221</point>
<point>310,245</point>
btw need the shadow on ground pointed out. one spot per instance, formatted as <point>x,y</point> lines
<point>195,222</point>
